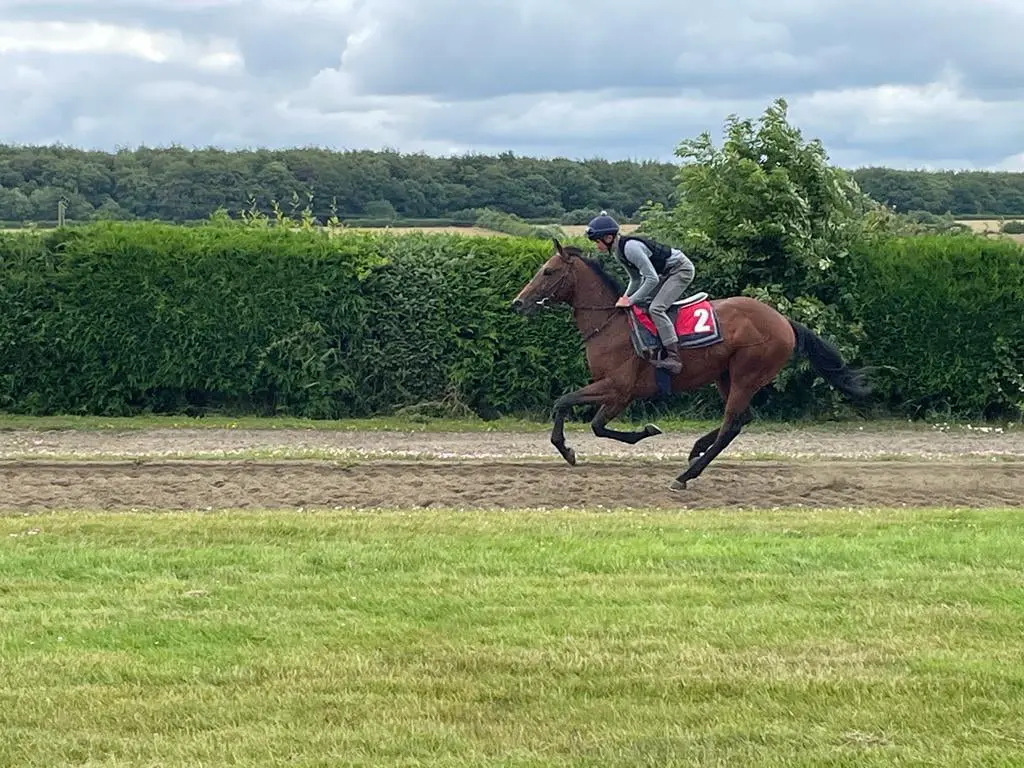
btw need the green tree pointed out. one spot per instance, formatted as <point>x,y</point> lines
<point>14,205</point>
<point>766,215</point>
<point>179,184</point>
<point>961,193</point>
<point>379,209</point>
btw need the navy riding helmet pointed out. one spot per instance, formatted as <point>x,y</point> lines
<point>600,226</point>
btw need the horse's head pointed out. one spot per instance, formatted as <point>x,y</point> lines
<point>552,284</point>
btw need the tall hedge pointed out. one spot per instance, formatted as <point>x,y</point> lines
<point>944,321</point>
<point>440,324</point>
<point>114,318</point>
<point>121,318</point>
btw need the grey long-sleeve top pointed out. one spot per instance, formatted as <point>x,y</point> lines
<point>643,279</point>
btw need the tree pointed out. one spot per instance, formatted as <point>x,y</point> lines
<point>380,209</point>
<point>14,205</point>
<point>766,215</point>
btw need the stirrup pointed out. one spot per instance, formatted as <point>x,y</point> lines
<point>666,362</point>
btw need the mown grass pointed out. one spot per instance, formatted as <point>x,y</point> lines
<point>522,638</point>
<point>382,423</point>
<point>9,421</point>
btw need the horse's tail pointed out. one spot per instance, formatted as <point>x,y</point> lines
<point>827,361</point>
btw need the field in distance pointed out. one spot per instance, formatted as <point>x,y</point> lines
<point>572,230</point>
<point>980,226</point>
<point>991,227</point>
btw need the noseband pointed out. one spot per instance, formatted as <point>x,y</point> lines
<point>543,304</point>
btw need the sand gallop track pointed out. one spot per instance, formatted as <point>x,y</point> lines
<point>483,484</point>
<point>174,469</point>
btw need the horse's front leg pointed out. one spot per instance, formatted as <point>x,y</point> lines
<point>602,391</point>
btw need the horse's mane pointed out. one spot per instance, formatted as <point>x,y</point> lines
<point>598,268</point>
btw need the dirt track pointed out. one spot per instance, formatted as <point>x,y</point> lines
<point>814,468</point>
<point>192,485</point>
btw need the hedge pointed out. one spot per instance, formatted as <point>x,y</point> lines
<point>122,318</point>
<point>944,319</point>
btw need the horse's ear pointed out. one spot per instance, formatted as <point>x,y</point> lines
<point>559,249</point>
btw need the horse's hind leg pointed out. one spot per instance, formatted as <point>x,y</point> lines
<point>737,414</point>
<point>749,370</point>
<point>735,411</point>
<point>609,411</point>
<point>704,442</point>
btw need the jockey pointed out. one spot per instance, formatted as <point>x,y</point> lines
<point>658,276</point>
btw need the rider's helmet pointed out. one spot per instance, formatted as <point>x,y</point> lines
<point>600,226</point>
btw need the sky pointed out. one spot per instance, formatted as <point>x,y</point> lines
<point>900,83</point>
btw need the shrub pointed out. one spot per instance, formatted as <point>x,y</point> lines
<point>513,225</point>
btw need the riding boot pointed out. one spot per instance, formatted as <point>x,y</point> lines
<point>672,363</point>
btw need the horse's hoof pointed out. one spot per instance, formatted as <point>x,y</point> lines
<point>650,430</point>
<point>570,456</point>
<point>677,485</point>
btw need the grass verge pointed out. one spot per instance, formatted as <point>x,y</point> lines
<point>10,422</point>
<point>460,638</point>
<point>396,424</point>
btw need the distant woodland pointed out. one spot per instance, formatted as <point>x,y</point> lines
<point>178,185</point>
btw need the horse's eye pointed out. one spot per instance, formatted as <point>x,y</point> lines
<point>548,271</point>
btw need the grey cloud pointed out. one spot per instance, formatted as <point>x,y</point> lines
<point>193,18</point>
<point>732,49</point>
<point>541,77</point>
<point>291,52</point>
<point>96,100</point>
<point>283,41</point>
<point>914,42</point>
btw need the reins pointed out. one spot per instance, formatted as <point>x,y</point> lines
<point>542,303</point>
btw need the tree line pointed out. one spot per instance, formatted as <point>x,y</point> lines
<point>961,193</point>
<point>177,185</point>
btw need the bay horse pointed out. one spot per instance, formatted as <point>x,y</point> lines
<point>754,343</point>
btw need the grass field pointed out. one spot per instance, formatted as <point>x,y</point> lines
<point>990,227</point>
<point>980,226</point>
<point>458,638</point>
<point>400,230</point>
<point>571,230</point>
<point>412,423</point>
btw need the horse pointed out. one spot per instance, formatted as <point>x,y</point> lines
<point>740,344</point>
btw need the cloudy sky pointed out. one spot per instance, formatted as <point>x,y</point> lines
<point>904,83</point>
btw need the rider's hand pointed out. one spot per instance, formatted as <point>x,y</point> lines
<point>622,302</point>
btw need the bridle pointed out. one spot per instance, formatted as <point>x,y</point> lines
<point>542,303</point>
